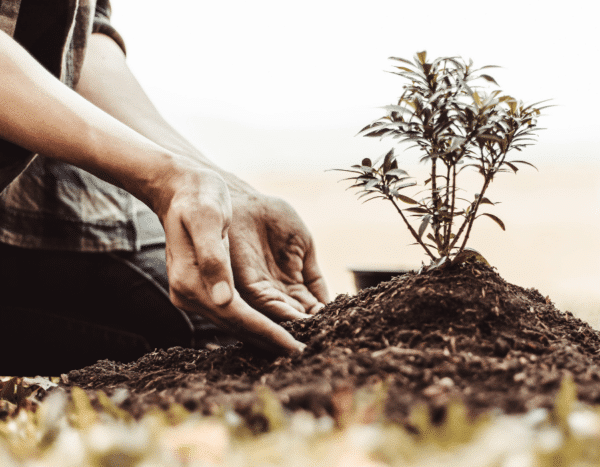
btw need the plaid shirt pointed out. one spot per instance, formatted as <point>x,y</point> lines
<point>45,203</point>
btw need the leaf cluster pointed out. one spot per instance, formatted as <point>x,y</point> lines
<point>456,125</point>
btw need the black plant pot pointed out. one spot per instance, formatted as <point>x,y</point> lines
<point>364,278</point>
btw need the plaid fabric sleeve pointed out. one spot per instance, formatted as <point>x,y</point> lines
<point>102,23</point>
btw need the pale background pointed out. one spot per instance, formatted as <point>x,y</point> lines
<point>276,91</point>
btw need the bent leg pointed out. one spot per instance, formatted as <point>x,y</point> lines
<point>150,262</point>
<point>64,310</point>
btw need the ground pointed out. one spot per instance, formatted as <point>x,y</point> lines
<point>460,333</point>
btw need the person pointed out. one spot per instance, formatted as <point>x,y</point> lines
<point>118,236</point>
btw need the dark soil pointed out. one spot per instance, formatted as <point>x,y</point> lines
<point>461,333</point>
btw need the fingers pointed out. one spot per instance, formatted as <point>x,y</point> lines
<point>199,270</point>
<point>276,304</point>
<point>279,308</point>
<point>248,325</point>
<point>201,281</point>
<point>253,327</point>
<point>196,225</point>
<point>313,278</point>
<point>194,287</point>
<point>305,297</point>
<point>215,270</point>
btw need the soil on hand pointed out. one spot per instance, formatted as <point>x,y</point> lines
<point>458,333</point>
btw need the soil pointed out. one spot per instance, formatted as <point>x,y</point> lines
<point>458,333</point>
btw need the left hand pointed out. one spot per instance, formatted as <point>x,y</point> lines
<point>273,258</point>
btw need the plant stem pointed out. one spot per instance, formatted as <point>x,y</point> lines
<point>447,226</point>
<point>435,196</point>
<point>465,223</point>
<point>410,228</point>
<point>473,213</point>
<point>488,180</point>
<point>447,243</point>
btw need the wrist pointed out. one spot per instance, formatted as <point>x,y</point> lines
<point>237,186</point>
<point>176,178</point>
<point>166,174</point>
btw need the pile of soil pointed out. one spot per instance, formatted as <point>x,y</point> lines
<point>457,333</point>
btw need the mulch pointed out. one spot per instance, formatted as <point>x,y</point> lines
<point>460,333</point>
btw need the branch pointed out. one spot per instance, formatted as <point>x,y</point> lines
<point>473,214</point>
<point>412,231</point>
<point>447,226</point>
<point>447,240</point>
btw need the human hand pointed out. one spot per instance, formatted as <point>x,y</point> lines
<point>196,213</point>
<point>273,258</point>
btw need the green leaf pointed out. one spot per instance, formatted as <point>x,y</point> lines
<point>564,401</point>
<point>404,69</point>
<point>397,108</point>
<point>402,60</point>
<point>424,224</point>
<point>494,138</point>
<point>377,133</point>
<point>111,408</point>
<point>405,199</point>
<point>370,126</point>
<point>506,99</point>
<point>514,168</point>
<point>489,78</point>
<point>488,66</point>
<point>269,406</point>
<point>364,192</point>
<point>439,263</point>
<point>524,162</point>
<point>495,218</point>
<point>83,414</point>
<point>387,161</point>
<point>374,197</point>
<point>396,172</point>
<point>417,210</point>
<point>371,183</point>
<point>486,201</point>
<point>457,141</point>
<point>403,185</point>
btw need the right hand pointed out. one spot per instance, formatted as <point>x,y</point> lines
<point>196,212</point>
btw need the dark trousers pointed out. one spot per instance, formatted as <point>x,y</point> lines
<point>64,310</point>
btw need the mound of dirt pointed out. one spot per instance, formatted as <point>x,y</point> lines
<point>458,333</point>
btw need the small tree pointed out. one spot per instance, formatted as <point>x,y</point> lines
<point>456,125</point>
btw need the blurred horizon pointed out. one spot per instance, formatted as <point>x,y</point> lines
<point>276,92</point>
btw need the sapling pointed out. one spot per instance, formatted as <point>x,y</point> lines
<point>456,126</point>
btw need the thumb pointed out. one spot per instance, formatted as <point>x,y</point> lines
<point>221,293</point>
<point>214,267</point>
<point>198,263</point>
<point>222,290</point>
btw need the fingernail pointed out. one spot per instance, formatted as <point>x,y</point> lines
<point>221,293</point>
<point>316,308</point>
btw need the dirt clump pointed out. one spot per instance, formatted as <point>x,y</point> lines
<point>457,333</point>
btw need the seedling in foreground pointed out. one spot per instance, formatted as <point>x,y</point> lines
<point>456,126</point>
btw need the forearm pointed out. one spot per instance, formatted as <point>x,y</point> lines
<point>41,114</point>
<point>107,82</point>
